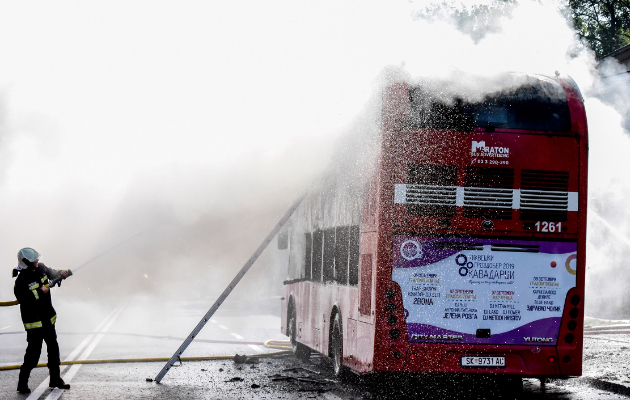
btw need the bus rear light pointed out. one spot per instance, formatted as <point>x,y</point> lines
<point>397,355</point>
<point>394,333</point>
<point>412,356</point>
<point>390,294</point>
<point>444,222</point>
<point>552,360</point>
<point>392,320</point>
<point>569,344</point>
<point>487,224</point>
<point>390,307</point>
<point>575,300</point>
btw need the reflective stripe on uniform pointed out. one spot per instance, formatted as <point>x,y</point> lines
<point>36,294</point>
<point>53,319</point>
<point>44,278</point>
<point>32,325</point>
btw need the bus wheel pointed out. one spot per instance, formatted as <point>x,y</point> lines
<point>337,346</point>
<point>302,352</point>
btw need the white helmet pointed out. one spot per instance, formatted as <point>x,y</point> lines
<point>26,253</point>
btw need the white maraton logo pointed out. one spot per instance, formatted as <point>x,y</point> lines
<point>479,149</point>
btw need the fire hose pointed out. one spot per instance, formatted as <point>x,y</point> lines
<point>285,346</point>
<point>51,283</point>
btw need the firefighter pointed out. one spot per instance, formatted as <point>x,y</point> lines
<point>38,315</point>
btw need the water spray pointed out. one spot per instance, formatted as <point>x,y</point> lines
<point>57,280</point>
<point>611,228</point>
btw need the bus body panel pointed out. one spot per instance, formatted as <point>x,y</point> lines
<point>527,157</point>
<point>520,360</point>
<point>313,317</point>
<point>512,290</point>
<point>571,353</point>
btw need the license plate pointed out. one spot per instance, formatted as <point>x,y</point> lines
<point>484,362</point>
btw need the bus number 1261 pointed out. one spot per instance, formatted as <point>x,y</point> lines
<point>545,226</point>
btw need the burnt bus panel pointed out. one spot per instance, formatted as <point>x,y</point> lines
<point>329,255</point>
<point>431,190</point>
<point>539,104</point>
<point>341,255</point>
<point>308,249</point>
<point>353,259</point>
<point>318,244</point>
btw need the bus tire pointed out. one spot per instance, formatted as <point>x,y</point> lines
<point>301,351</point>
<point>336,347</point>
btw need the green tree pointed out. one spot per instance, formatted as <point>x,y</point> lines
<point>476,20</point>
<point>603,24</point>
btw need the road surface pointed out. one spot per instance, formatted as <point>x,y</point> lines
<point>142,327</point>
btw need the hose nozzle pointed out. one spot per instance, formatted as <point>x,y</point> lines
<point>57,280</point>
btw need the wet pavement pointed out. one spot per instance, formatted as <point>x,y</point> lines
<point>284,377</point>
<point>142,327</point>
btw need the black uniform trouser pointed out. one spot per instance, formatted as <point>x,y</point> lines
<point>35,337</point>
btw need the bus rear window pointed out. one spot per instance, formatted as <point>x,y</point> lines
<point>538,105</point>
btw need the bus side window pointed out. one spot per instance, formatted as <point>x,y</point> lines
<point>318,244</point>
<point>353,259</point>
<point>283,240</point>
<point>329,255</point>
<point>341,255</point>
<point>308,249</point>
<point>365,299</point>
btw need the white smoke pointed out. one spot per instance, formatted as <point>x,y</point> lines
<point>208,119</point>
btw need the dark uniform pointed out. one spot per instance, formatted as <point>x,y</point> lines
<point>38,316</point>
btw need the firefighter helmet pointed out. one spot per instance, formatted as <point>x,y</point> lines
<point>27,254</point>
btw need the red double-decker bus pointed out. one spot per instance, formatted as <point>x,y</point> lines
<point>449,235</point>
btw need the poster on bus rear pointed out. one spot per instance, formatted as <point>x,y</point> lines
<point>513,291</point>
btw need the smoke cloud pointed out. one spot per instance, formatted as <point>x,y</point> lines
<point>197,125</point>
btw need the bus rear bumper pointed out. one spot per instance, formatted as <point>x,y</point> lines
<point>534,361</point>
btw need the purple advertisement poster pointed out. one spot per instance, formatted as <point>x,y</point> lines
<point>515,290</point>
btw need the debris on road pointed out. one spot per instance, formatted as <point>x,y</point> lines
<point>297,369</point>
<point>243,359</point>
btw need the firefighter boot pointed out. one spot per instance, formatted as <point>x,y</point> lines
<point>23,381</point>
<point>55,378</point>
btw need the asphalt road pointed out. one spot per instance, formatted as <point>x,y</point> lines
<point>141,327</point>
